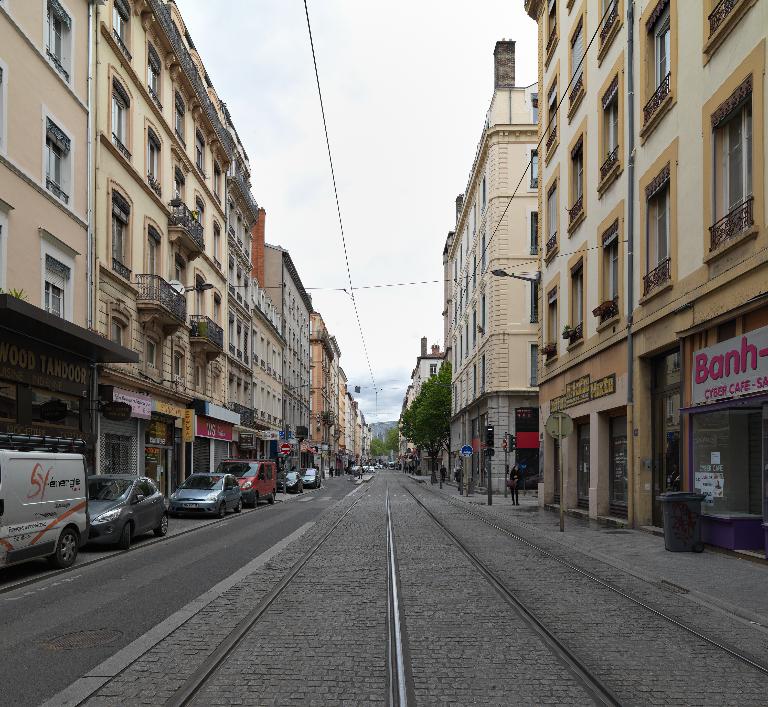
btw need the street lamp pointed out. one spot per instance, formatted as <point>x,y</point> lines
<point>201,287</point>
<point>503,273</point>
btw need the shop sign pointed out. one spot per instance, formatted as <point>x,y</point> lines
<point>247,440</point>
<point>54,410</point>
<point>116,411</point>
<point>168,409</point>
<point>731,369</point>
<point>38,367</point>
<point>582,390</point>
<point>157,433</point>
<point>207,427</point>
<point>188,427</point>
<point>140,404</point>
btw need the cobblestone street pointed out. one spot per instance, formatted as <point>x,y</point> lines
<point>318,618</point>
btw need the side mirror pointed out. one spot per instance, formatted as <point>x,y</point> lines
<point>138,498</point>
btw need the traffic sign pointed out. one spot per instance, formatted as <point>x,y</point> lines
<point>282,434</point>
<point>285,448</point>
<point>466,450</point>
<point>559,425</point>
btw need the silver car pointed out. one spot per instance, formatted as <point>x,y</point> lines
<point>123,506</point>
<point>207,494</point>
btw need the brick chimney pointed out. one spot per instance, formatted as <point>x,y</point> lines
<point>423,345</point>
<point>257,247</point>
<point>435,349</point>
<point>459,204</point>
<point>504,64</point>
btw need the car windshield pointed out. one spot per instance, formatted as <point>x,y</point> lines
<point>309,472</point>
<point>201,482</point>
<point>108,489</point>
<point>292,475</point>
<point>238,469</point>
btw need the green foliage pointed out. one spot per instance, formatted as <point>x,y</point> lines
<point>378,448</point>
<point>392,440</point>
<point>427,422</point>
<point>18,294</point>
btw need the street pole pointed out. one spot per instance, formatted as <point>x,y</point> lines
<point>489,466</point>
<point>562,475</point>
<point>506,468</point>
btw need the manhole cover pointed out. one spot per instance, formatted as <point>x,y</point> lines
<point>83,639</point>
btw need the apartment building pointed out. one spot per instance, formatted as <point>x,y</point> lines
<point>48,349</point>
<point>493,331</point>
<point>656,201</point>
<point>341,425</point>
<point>323,351</point>
<point>294,306</point>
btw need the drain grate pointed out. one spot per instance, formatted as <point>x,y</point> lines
<point>91,638</point>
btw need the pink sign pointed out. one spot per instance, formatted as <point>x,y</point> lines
<point>206,427</point>
<point>141,405</point>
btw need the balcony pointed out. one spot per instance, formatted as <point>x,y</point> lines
<point>159,302</point>
<point>232,349</point>
<point>120,269</point>
<point>576,212</point>
<point>120,43</point>
<point>118,143</point>
<point>206,336</point>
<point>241,189</point>
<point>734,223</point>
<point>657,277</point>
<point>610,162</point>
<point>659,95</point>
<point>719,14</point>
<point>607,310</point>
<point>154,185</point>
<point>155,98</point>
<point>551,245</point>
<point>576,94</point>
<point>549,351</point>
<point>573,334</point>
<point>551,138</point>
<point>247,415</point>
<point>186,229</point>
<point>610,21</point>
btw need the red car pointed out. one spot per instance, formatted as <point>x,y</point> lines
<point>257,478</point>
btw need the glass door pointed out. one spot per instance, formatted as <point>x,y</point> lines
<point>617,459</point>
<point>665,399</point>
<point>556,467</point>
<point>582,466</point>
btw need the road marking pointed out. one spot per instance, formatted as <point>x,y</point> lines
<point>82,689</point>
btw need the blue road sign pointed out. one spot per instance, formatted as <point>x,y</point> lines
<point>466,450</point>
<point>282,434</point>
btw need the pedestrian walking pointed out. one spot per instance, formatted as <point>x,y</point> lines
<point>443,474</point>
<point>513,483</point>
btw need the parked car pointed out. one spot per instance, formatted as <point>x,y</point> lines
<point>122,507</point>
<point>211,494</point>
<point>43,507</point>
<point>293,482</point>
<point>310,478</point>
<point>257,479</point>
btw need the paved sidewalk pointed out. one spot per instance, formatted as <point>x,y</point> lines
<point>730,583</point>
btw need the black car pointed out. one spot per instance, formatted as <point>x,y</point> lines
<point>311,479</point>
<point>293,482</point>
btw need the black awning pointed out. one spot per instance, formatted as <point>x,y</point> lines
<point>23,319</point>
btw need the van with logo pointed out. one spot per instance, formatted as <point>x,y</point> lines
<point>257,479</point>
<point>43,507</point>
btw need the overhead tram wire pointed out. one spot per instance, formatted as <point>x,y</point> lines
<point>336,196</point>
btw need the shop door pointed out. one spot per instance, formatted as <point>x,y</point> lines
<point>617,459</point>
<point>201,456</point>
<point>556,467</point>
<point>665,399</point>
<point>582,467</point>
<point>220,452</point>
<point>119,442</point>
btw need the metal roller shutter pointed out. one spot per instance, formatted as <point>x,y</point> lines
<point>201,455</point>
<point>118,446</point>
<point>220,452</point>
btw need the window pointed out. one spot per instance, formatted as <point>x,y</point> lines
<point>657,243</point>
<point>58,38</point>
<point>216,244</point>
<point>577,174</point>
<point>121,211</point>
<point>217,181</point>
<point>552,319</point>
<point>534,169</point>
<point>153,250</point>
<point>474,272</point>
<point>432,369</point>
<point>178,184</point>
<point>216,308</point>
<point>121,16</point>
<point>577,54</point>
<point>661,47</point>
<point>117,333</point>
<point>483,256</point>
<point>535,107</point>
<point>482,373</point>
<point>552,214</point>
<point>534,232</point>
<point>2,112</point>
<point>552,114</point>
<point>466,338</point>
<point>200,151</point>
<point>57,276</point>
<point>611,121</point>
<point>153,74</point>
<point>733,159</point>
<point>484,194</point>
<point>120,105</point>
<point>551,15</point>
<point>577,298</point>
<point>153,161</point>
<point>474,380</point>
<point>150,354</point>
<point>179,268</point>
<point>474,328</point>
<point>178,116</point>
<point>199,211</point>
<point>534,365</point>
<point>57,152</point>
<point>534,302</point>
<point>611,263</point>
<point>179,369</point>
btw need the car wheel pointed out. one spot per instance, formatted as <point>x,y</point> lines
<point>162,529</point>
<point>125,537</point>
<point>66,550</point>
<point>255,499</point>
<point>239,506</point>
<point>222,509</point>
<point>271,499</point>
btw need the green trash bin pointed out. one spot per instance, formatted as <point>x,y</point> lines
<point>682,521</point>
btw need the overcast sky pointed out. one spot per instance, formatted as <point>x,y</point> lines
<point>406,85</point>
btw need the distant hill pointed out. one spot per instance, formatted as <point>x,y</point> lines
<point>379,429</point>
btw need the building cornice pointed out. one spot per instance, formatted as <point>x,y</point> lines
<point>533,8</point>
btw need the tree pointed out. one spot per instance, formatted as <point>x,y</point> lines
<point>378,447</point>
<point>427,422</point>
<point>392,439</point>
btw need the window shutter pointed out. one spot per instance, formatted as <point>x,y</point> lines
<point>154,59</point>
<point>120,207</point>
<point>153,234</point>
<point>55,9</point>
<point>56,135</point>
<point>121,92</point>
<point>56,272</point>
<point>123,9</point>
<point>578,51</point>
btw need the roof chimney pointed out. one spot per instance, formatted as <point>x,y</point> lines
<point>423,345</point>
<point>435,349</point>
<point>504,64</point>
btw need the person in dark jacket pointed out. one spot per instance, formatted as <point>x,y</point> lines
<point>514,484</point>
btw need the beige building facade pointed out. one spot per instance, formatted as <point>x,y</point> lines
<point>493,334</point>
<point>670,236</point>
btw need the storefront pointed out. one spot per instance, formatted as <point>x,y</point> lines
<point>727,453</point>
<point>47,380</point>
<point>213,434</point>
<point>121,436</point>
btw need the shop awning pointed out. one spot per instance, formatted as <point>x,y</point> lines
<point>748,401</point>
<point>19,318</point>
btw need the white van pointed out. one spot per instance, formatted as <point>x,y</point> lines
<point>43,507</point>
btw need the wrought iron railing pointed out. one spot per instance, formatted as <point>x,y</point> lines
<point>246,414</point>
<point>607,310</point>
<point>610,21</point>
<point>121,269</point>
<point>118,143</point>
<point>551,137</point>
<point>121,44</point>
<point>181,216</point>
<point>610,161</point>
<point>57,63</point>
<point>576,210</point>
<point>155,98</point>
<point>232,349</point>
<point>239,354</point>
<point>238,182</point>
<point>203,327</point>
<point>576,90</point>
<point>154,185</point>
<point>721,11</point>
<point>153,288</point>
<point>576,333</point>
<point>551,243</point>
<point>551,39</point>
<point>56,190</point>
<point>738,219</point>
<point>658,276</point>
<point>656,99</point>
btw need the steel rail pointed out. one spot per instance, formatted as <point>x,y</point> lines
<point>616,590</point>
<point>592,684</point>
<point>398,690</point>
<point>193,684</point>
